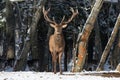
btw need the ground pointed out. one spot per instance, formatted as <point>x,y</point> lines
<point>66,76</point>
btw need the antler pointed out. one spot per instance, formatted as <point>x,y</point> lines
<point>45,13</point>
<point>75,12</point>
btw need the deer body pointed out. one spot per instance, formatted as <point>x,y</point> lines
<point>56,41</point>
<point>56,47</point>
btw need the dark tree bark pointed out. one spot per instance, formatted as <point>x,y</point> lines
<point>98,46</point>
<point>34,40</point>
<point>22,60</point>
<point>34,43</point>
<point>9,42</point>
<point>19,38</point>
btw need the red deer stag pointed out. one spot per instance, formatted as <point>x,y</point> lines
<point>56,41</point>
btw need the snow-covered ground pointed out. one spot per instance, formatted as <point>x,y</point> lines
<point>51,76</point>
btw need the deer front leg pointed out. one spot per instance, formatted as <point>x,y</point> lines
<point>54,63</point>
<point>55,67</point>
<point>60,66</point>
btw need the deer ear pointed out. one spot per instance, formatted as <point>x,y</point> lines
<point>52,25</point>
<point>64,26</point>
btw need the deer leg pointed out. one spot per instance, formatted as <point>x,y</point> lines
<point>55,66</point>
<point>54,63</point>
<point>60,66</point>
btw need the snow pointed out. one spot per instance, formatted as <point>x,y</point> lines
<point>51,76</point>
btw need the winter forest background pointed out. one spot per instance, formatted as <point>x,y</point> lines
<point>24,38</point>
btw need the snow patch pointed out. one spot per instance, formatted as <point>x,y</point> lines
<point>50,76</point>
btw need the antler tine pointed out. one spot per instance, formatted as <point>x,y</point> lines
<point>77,11</point>
<point>71,9</point>
<point>53,18</point>
<point>62,19</point>
<point>74,13</point>
<point>45,12</point>
<point>46,16</point>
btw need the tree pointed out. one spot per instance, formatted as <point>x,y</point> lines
<point>85,34</point>
<point>109,44</point>
<point>98,46</point>
<point>115,55</point>
<point>19,65</point>
<point>9,43</point>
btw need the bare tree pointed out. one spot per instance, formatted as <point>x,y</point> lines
<point>20,63</point>
<point>109,44</point>
<point>85,34</point>
<point>9,42</point>
<point>98,46</point>
<point>115,55</point>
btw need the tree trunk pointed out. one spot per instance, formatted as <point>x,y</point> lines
<point>34,39</point>
<point>19,38</point>
<point>85,34</point>
<point>9,43</point>
<point>115,56</point>
<point>20,64</point>
<point>109,44</point>
<point>98,46</point>
<point>34,42</point>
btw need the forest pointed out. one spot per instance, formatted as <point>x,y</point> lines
<point>92,35</point>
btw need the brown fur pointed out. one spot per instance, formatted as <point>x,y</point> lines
<point>56,46</point>
<point>56,41</point>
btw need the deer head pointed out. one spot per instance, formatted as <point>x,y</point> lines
<point>62,24</point>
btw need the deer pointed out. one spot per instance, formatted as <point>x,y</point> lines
<point>56,40</point>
